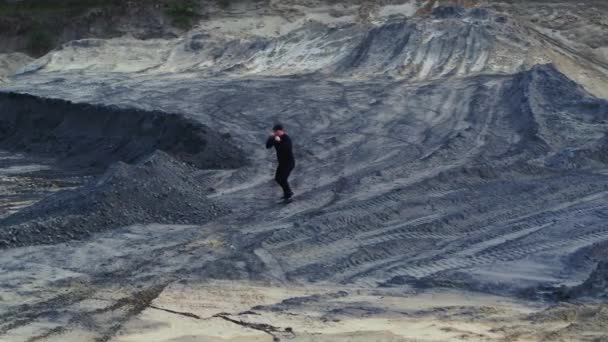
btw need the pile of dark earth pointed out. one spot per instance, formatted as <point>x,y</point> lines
<point>157,189</point>
<point>139,165</point>
<point>89,137</point>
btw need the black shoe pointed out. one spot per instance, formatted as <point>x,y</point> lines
<point>288,195</point>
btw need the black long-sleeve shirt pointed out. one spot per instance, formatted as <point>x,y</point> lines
<point>284,149</point>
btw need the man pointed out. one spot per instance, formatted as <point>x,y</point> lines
<point>282,143</point>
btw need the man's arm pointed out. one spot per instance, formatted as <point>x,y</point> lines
<point>287,143</point>
<point>270,142</point>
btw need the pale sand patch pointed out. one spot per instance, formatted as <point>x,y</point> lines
<point>593,79</point>
<point>399,317</point>
<point>11,62</point>
<point>155,326</point>
<point>406,9</point>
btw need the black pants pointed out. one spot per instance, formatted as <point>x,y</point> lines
<point>281,177</point>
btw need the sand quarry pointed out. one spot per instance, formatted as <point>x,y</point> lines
<point>451,179</point>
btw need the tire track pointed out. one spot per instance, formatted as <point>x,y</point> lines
<point>425,269</point>
<point>369,245</point>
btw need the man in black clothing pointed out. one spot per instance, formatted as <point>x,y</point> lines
<point>282,143</point>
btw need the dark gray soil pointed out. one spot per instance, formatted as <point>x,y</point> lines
<point>92,137</point>
<point>481,171</point>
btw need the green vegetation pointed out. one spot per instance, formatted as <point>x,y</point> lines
<point>184,13</point>
<point>39,25</point>
<point>70,7</point>
<point>39,42</point>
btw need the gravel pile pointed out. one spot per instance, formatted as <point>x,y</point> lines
<point>157,189</point>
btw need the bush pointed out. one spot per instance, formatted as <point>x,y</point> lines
<point>39,42</point>
<point>183,13</point>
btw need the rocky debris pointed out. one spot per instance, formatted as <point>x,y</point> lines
<point>157,189</point>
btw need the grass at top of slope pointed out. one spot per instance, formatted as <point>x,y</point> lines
<point>37,26</point>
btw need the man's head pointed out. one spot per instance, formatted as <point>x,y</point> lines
<point>278,129</point>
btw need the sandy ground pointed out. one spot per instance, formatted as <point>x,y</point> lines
<point>358,316</point>
<point>11,63</point>
<point>235,311</point>
<point>245,311</point>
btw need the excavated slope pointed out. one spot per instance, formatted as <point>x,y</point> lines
<point>433,150</point>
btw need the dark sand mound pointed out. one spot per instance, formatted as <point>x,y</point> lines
<point>95,136</point>
<point>158,189</point>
